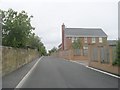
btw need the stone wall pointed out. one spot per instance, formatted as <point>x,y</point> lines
<point>13,58</point>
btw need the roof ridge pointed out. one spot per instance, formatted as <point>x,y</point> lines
<point>83,28</point>
<point>85,31</point>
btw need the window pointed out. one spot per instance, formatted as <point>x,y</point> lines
<point>85,47</point>
<point>69,37</point>
<point>85,39</point>
<point>100,40</point>
<point>93,40</point>
<point>74,39</point>
<point>85,50</point>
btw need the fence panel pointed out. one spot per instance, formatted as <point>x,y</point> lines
<point>94,55</point>
<point>107,54</point>
<point>113,53</point>
<point>85,52</point>
<point>104,55</point>
<point>77,52</point>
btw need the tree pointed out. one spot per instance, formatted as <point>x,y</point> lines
<point>77,44</point>
<point>53,50</point>
<point>16,28</point>
<point>17,31</point>
<point>34,42</point>
<point>42,50</point>
<point>117,59</point>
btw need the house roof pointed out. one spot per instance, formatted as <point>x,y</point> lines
<point>60,45</point>
<point>84,32</point>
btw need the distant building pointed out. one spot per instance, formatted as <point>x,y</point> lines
<point>112,42</point>
<point>96,50</point>
<point>87,36</point>
<point>94,36</point>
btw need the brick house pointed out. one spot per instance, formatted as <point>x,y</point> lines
<point>96,50</point>
<point>87,36</point>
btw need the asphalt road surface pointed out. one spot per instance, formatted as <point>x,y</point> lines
<point>51,72</point>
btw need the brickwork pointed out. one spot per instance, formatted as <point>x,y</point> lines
<point>105,64</point>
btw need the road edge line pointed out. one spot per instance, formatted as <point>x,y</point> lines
<point>103,72</point>
<point>96,69</point>
<point>28,73</point>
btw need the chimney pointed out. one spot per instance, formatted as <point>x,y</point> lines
<point>63,28</point>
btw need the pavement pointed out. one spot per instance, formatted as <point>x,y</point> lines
<point>12,79</point>
<point>52,72</point>
<point>83,62</point>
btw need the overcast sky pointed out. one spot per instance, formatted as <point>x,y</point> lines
<point>50,14</point>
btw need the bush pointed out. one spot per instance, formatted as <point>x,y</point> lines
<point>117,59</point>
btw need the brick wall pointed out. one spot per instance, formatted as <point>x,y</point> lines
<point>13,58</point>
<point>70,55</point>
<point>103,59</point>
<point>68,43</point>
<point>100,57</point>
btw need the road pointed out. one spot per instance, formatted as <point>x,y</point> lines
<point>51,72</point>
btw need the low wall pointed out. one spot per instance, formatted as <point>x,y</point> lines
<point>69,54</point>
<point>13,58</point>
<point>80,57</point>
<point>66,54</point>
<point>104,59</point>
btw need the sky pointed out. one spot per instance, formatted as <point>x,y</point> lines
<point>49,15</point>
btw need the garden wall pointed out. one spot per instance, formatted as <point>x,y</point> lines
<point>14,58</point>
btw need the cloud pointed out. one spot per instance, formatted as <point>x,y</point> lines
<point>50,14</point>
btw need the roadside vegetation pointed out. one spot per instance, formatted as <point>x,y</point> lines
<point>117,59</point>
<point>17,31</point>
<point>77,44</point>
<point>53,50</point>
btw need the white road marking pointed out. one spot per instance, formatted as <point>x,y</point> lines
<point>27,75</point>
<point>95,69</point>
<point>78,62</point>
<point>104,72</point>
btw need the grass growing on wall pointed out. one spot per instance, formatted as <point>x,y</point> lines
<point>14,58</point>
